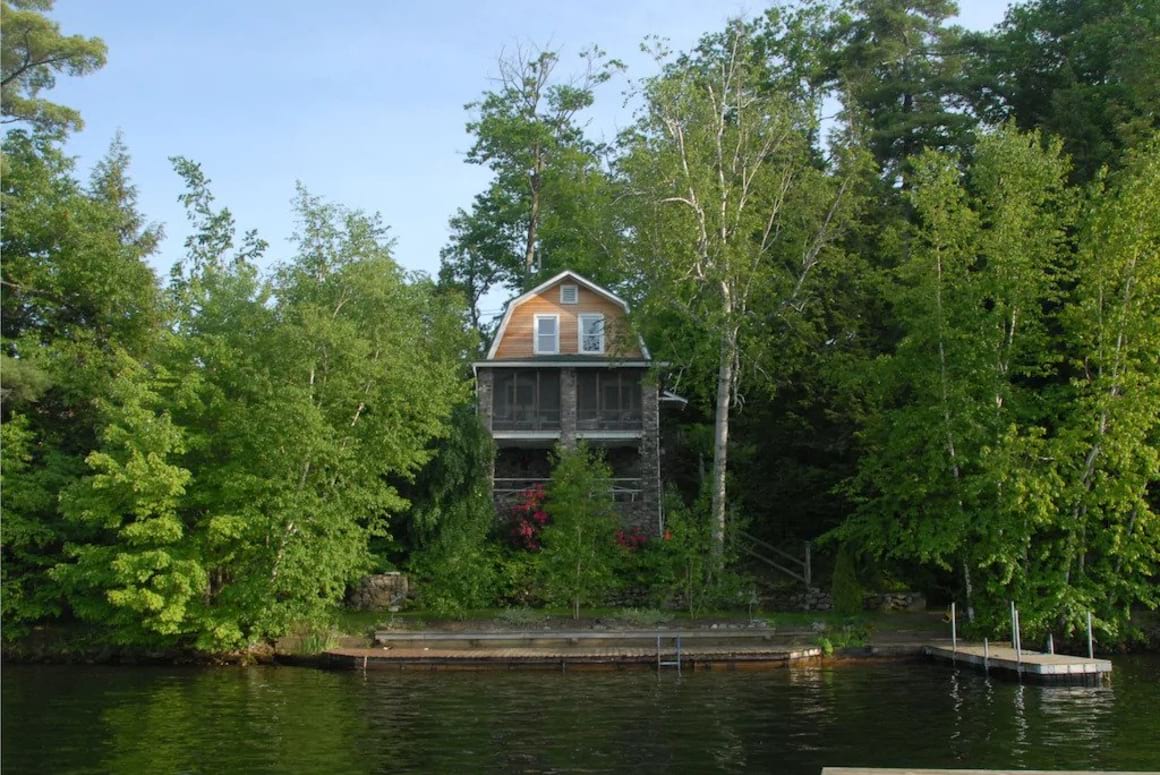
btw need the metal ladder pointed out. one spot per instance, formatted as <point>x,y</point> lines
<point>669,663</point>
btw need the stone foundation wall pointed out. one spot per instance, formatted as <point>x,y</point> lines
<point>814,599</point>
<point>379,592</point>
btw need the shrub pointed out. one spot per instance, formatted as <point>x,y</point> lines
<point>528,519</point>
<point>845,589</point>
<point>579,549</point>
<point>458,573</point>
<point>458,567</point>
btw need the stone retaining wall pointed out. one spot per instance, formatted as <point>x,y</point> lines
<point>815,599</point>
<point>379,592</point>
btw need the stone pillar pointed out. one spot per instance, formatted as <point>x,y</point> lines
<point>484,389</point>
<point>568,407</point>
<point>485,406</point>
<point>650,455</point>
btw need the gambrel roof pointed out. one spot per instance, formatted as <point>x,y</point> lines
<point>539,289</point>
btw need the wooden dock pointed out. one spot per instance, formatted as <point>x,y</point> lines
<point>1031,664</point>
<point>908,771</point>
<point>715,657</point>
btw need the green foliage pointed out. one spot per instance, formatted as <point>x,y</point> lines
<point>136,573</point>
<point>522,617</point>
<point>320,388</point>
<point>313,639</point>
<point>78,298</point>
<point>1080,70</point>
<point>550,203</point>
<point>845,590</point>
<point>732,217</point>
<point>899,69</point>
<point>579,556</point>
<point>519,579</point>
<point>974,352</point>
<point>32,53</point>
<point>994,434</point>
<point>454,561</point>
<point>680,566</point>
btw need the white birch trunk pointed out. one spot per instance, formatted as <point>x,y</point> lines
<point>721,441</point>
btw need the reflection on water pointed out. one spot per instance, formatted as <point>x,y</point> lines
<point>104,719</point>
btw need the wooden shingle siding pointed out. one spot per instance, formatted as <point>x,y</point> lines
<point>518,337</point>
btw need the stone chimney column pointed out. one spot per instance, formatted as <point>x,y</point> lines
<point>568,407</point>
<point>650,454</point>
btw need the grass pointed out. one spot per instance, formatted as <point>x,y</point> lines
<point>643,617</point>
<point>839,630</point>
<point>521,617</point>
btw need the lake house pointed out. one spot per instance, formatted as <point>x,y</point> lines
<point>565,366</point>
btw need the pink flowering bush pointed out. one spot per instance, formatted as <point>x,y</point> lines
<point>529,518</point>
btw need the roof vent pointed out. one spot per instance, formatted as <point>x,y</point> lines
<point>569,294</point>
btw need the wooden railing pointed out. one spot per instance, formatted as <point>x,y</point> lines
<point>527,419</point>
<point>779,559</point>
<point>623,487</point>
<point>609,421</point>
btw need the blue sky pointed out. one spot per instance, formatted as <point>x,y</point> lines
<point>361,101</point>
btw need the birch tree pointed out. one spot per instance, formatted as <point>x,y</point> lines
<point>955,471</point>
<point>731,213</point>
<point>1106,453</point>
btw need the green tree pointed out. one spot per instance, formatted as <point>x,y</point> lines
<point>451,520</point>
<point>1086,71</point>
<point>731,217</point>
<point>845,589</point>
<point>550,199</point>
<point>305,399</point>
<point>32,53</point>
<point>1107,464</point>
<point>898,67</point>
<point>132,569</point>
<point>76,292</point>
<point>578,560</point>
<point>957,411</point>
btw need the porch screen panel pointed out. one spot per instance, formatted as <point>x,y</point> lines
<point>526,399</point>
<point>548,398</point>
<point>587,398</point>
<point>608,399</point>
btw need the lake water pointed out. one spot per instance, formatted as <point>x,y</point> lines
<point>59,719</point>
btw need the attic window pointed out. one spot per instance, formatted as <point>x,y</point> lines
<point>591,330</point>
<point>569,294</point>
<point>547,335</point>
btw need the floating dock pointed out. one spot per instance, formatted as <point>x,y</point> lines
<point>1038,666</point>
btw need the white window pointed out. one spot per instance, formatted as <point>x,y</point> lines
<point>569,294</point>
<point>591,332</point>
<point>547,334</point>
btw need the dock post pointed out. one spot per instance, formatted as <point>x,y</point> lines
<point>1050,644</point>
<point>954,630</point>
<point>1018,634</point>
<point>986,656</point>
<point>1014,637</point>
<point>1091,649</point>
